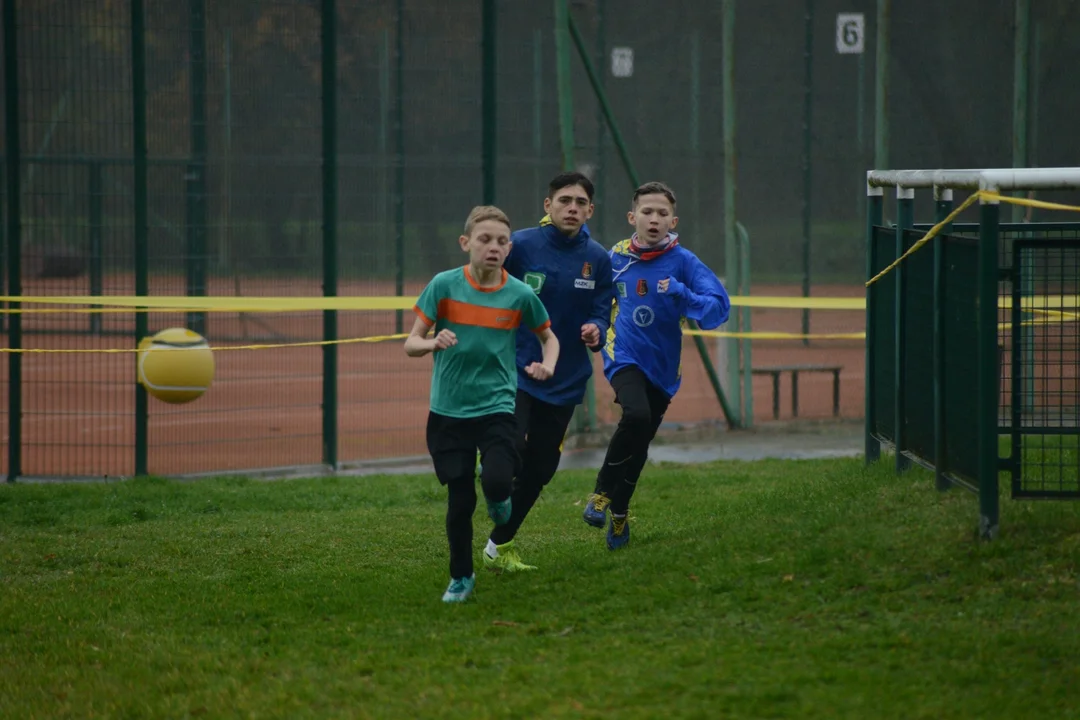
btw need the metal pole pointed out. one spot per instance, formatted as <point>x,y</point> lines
<point>14,238</point>
<point>563,83</point>
<point>881,88</point>
<point>141,230</point>
<point>905,218</point>
<point>330,219</point>
<point>860,127</point>
<point>537,103</point>
<point>988,377</point>
<point>488,99</point>
<point>875,201</point>
<point>731,238</point>
<point>808,111</point>
<point>1021,55</point>
<point>695,125</point>
<point>598,89</point>
<point>1033,107</point>
<point>196,180</point>
<point>384,139</point>
<point>601,129</point>
<point>224,251</point>
<point>399,157</point>
<point>96,190</point>
<point>942,207</point>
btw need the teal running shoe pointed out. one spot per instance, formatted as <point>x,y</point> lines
<point>460,589</point>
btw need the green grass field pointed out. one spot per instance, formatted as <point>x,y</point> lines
<point>758,590</point>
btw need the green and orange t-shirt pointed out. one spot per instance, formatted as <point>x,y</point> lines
<point>478,376</point>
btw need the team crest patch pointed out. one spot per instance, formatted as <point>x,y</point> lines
<point>535,281</point>
<point>642,287</point>
<point>586,270</point>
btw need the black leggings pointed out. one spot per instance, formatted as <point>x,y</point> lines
<point>453,444</point>
<point>643,407</point>
<point>541,430</point>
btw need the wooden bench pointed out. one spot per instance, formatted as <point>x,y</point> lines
<point>777,370</point>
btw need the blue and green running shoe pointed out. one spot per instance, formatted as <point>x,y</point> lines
<point>460,589</point>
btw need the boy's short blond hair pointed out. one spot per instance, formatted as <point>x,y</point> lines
<point>480,213</point>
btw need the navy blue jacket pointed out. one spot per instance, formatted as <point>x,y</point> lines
<point>572,276</point>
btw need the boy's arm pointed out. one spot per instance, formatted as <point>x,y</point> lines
<point>427,308</point>
<point>535,317</point>
<point>600,313</point>
<point>418,344</point>
<point>550,346</point>
<point>706,299</point>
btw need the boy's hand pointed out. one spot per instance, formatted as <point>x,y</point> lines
<point>444,340</point>
<point>539,371</point>
<point>670,286</point>
<point>590,334</point>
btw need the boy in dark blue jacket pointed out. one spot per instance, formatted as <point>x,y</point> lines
<point>658,283</point>
<point>571,273</point>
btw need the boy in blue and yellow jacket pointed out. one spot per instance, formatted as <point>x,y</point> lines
<point>571,273</point>
<point>657,284</point>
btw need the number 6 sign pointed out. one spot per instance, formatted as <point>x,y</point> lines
<point>849,33</point>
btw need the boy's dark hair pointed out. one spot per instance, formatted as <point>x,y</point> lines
<point>569,179</point>
<point>653,188</point>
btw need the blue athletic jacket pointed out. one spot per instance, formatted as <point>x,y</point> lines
<point>646,325</point>
<point>572,276</point>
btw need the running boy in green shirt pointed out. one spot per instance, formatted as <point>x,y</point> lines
<point>476,310</point>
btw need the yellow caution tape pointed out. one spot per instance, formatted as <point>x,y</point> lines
<point>978,195</point>
<point>135,303</point>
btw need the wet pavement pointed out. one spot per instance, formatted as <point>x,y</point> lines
<point>794,441</point>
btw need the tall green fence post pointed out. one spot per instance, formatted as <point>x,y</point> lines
<point>745,326</point>
<point>875,201</point>
<point>732,251</point>
<point>142,281</point>
<point>808,181</point>
<point>943,205</point>
<point>905,218</point>
<point>14,238</point>
<point>988,371</point>
<point>197,254</point>
<point>96,191</point>
<point>563,80</point>
<point>488,99</point>
<point>330,220</point>
<point>881,86</point>
<point>1020,115</point>
<point>399,158</point>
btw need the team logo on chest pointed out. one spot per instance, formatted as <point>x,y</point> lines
<point>583,282</point>
<point>642,287</point>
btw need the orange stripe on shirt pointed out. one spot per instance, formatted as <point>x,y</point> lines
<point>542,328</point>
<point>478,315</point>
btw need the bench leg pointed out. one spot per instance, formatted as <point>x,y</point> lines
<point>794,393</point>
<point>836,393</point>
<point>776,396</point>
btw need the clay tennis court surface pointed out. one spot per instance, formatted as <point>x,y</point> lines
<point>264,409</point>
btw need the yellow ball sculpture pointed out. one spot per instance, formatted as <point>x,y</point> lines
<point>176,365</point>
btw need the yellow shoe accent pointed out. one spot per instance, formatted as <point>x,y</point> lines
<point>599,502</point>
<point>507,561</point>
